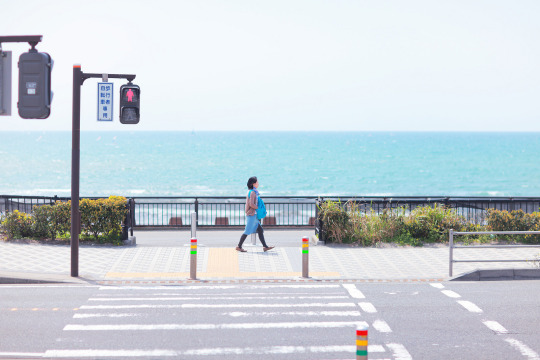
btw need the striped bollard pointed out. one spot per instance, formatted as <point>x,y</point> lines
<point>193,260</point>
<point>305,257</point>
<point>362,344</point>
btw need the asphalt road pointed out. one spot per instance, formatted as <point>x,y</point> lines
<point>467,320</point>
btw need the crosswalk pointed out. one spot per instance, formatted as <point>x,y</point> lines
<point>275,321</point>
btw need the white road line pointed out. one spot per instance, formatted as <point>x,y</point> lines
<point>21,354</point>
<point>496,327</point>
<point>210,351</point>
<point>450,293</point>
<point>213,287</point>
<point>470,306</point>
<point>294,313</point>
<point>172,298</point>
<point>113,315</point>
<point>381,326</point>
<point>437,285</point>
<point>281,325</point>
<point>367,307</point>
<point>108,353</point>
<point>399,352</point>
<point>523,349</point>
<point>214,306</point>
<point>207,295</point>
<point>353,291</point>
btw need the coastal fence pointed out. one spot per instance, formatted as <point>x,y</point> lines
<point>283,211</point>
<point>222,212</point>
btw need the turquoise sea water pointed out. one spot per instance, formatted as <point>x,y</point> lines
<point>286,163</point>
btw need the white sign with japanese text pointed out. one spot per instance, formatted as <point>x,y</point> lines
<point>105,101</point>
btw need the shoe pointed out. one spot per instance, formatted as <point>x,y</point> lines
<point>268,248</point>
<point>241,250</point>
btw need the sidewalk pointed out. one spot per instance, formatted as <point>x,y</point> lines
<point>164,256</point>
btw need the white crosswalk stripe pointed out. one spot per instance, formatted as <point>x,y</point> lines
<point>286,316</point>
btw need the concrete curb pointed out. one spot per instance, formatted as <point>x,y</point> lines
<point>7,277</point>
<point>499,275</point>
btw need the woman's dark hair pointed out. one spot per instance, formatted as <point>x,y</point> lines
<point>252,180</point>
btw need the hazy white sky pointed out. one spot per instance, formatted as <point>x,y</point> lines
<point>347,65</point>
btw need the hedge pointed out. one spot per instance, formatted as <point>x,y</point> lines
<point>101,221</point>
<point>347,223</point>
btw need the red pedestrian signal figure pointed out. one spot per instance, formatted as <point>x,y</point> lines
<point>130,103</point>
<point>129,95</point>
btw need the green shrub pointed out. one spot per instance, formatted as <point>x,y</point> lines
<point>17,225</point>
<point>101,221</point>
<point>431,224</point>
<point>516,220</point>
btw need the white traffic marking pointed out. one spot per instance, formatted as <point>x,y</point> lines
<point>210,351</point>
<point>207,306</point>
<point>399,352</point>
<point>451,294</point>
<point>294,313</point>
<point>496,327</point>
<point>523,349</point>
<point>437,285</point>
<point>381,326</point>
<point>213,287</point>
<point>470,306</point>
<point>171,298</point>
<point>20,354</point>
<point>113,315</point>
<point>367,307</point>
<point>281,325</point>
<point>107,353</point>
<point>353,291</point>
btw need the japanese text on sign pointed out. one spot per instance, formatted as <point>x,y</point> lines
<point>105,101</point>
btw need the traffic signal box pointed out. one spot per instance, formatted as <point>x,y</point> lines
<point>35,85</point>
<point>129,103</point>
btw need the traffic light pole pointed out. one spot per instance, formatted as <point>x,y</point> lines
<point>78,79</point>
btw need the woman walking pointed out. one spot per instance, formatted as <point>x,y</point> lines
<point>252,223</point>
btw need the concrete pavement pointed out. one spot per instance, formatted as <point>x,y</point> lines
<point>164,256</point>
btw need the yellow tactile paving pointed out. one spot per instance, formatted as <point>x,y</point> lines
<point>222,260</point>
<point>225,274</point>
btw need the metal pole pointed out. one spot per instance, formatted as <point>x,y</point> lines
<point>305,257</point>
<point>193,225</point>
<point>75,169</point>
<point>193,260</point>
<point>451,245</point>
<point>254,239</point>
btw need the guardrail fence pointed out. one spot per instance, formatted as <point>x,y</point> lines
<point>283,211</point>
<point>453,233</point>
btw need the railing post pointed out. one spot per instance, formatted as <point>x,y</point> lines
<point>305,257</point>
<point>193,225</point>
<point>451,246</point>
<point>193,260</point>
<point>197,211</point>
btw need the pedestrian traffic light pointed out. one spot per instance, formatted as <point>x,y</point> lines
<point>35,85</point>
<point>130,103</point>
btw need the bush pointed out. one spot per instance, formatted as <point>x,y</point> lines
<point>516,220</point>
<point>17,225</point>
<point>101,221</point>
<point>347,223</point>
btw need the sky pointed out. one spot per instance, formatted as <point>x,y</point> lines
<point>301,65</point>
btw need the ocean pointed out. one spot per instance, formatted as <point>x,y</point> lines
<point>286,163</point>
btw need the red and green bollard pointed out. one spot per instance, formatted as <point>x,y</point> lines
<point>305,257</point>
<point>362,344</point>
<point>193,260</point>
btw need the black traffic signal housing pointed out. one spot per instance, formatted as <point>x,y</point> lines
<point>35,94</point>
<point>130,102</point>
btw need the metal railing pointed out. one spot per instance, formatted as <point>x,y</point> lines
<point>453,233</point>
<point>226,212</point>
<point>283,211</point>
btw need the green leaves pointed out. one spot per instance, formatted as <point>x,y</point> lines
<point>101,220</point>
